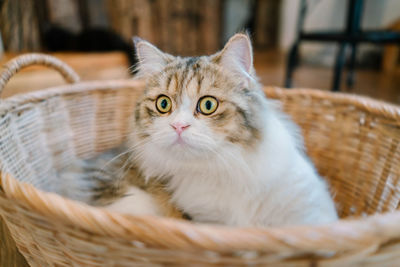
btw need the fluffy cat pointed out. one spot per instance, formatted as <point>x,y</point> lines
<point>227,155</point>
<point>205,131</point>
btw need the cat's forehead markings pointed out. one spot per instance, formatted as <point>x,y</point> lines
<point>178,80</point>
<point>168,80</point>
<point>172,83</point>
<point>200,79</point>
<point>193,75</point>
<point>192,85</point>
<point>190,81</point>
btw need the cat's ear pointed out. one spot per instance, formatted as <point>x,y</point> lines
<point>150,59</point>
<point>237,55</point>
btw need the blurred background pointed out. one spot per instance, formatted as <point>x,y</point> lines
<point>94,37</point>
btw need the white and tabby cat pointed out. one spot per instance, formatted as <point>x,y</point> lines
<point>225,154</point>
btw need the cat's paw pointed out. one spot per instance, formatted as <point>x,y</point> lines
<point>135,201</point>
<point>88,182</point>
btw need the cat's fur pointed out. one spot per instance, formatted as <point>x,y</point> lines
<point>243,165</point>
<point>112,181</point>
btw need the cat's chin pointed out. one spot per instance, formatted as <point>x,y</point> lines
<point>181,146</point>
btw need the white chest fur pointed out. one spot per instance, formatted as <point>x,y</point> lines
<point>274,185</point>
<point>254,196</point>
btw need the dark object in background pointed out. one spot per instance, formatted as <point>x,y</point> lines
<point>264,23</point>
<point>349,38</point>
<point>89,40</point>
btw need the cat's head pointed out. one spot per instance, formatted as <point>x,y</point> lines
<point>196,106</point>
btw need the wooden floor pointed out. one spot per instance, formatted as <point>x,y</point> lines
<point>270,67</point>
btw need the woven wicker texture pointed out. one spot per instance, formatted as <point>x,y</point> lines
<point>353,141</point>
<point>12,67</point>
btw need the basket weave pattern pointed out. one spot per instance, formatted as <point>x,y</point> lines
<point>353,141</point>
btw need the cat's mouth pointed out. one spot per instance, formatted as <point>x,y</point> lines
<point>184,143</point>
<point>180,141</point>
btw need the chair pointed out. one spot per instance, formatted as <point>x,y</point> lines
<point>349,38</point>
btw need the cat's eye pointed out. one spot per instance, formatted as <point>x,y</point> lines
<point>163,104</point>
<point>207,105</point>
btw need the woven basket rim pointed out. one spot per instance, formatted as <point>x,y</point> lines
<point>340,236</point>
<point>344,235</point>
<point>14,101</point>
<point>376,107</point>
<point>366,103</point>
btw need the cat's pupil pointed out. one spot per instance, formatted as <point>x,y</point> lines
<point>208,104</point>
<point>164,103</point>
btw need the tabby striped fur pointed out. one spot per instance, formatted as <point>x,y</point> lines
<point>242,165</point>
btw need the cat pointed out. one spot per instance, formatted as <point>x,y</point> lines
<point>224,153</point>
<point>111,181</point>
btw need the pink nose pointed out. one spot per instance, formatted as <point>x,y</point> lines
<point>179,127</point>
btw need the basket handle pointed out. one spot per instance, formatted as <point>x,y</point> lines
<point>20,62</point>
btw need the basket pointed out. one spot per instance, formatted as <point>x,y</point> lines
<point>353,141</point>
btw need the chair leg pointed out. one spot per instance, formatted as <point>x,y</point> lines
<point>352,63</point>
<point>291,64</point>
<point>340,59</point>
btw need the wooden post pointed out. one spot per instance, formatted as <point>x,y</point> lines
<point>181,27</point>
<point>19,26</point>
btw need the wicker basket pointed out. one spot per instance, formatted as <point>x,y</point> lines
<point>353,141</point>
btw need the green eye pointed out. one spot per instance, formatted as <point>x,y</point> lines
<point>163,104</point>
<point>207,105</point>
